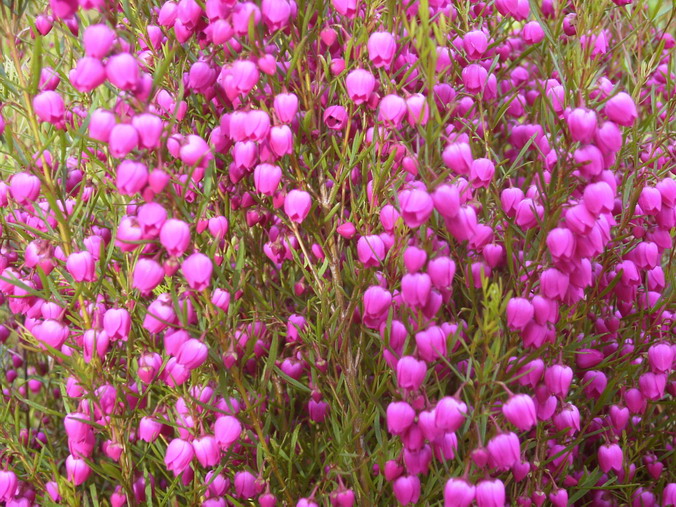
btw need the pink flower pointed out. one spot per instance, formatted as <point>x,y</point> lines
<point>8,485</point>
<point>450,413</point>
<point>621,109</point>
<point>49,107</point>
<point>381,47</point>
<point>519,313</point>
<point>88,74</point>
<point>77,470</point>
<point>101,123</point>
<point>245,485</point>
<point>416,207</point>
<point>458,493</point>
<point>227,430</point>
<point>178,456</point>
<point>360,84</point>
<point>490,493</point>
<point>400,416</point>
<point>206,451</point>
<point>520,411</point>
<point>123,71</point>
<point>407,489</point>
<point>197,271</point>
<point>297,205</point>
<point>81,266</point>
<point>267,178</point>
<point>286,106</point>
<point>392,110</point>
<point>24,187</point>
<point>147,275</point>
<point>610,457</point>
<point>377,302</point>
<point>97,40</point>
<point>474,77</point>
<point>175,236</point>
<point>582,125</point>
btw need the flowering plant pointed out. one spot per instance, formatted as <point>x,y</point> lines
<point>291,252</point>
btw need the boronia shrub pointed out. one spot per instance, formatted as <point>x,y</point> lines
<point>347,253</point>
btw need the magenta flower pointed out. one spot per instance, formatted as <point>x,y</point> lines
<point>297,205</point>
<point>49,107</point>
<point>77,470</point>
<point>450,413</point>
<point>360,84</point>
<point>8,485</point>
<point>267,178</point>
<point>400,416</point>
<point>621,109</point>
<point>123,71</point>
<point>490,493</point>
<point>520,411</point>
<point>411,373</point>
<point>407,489</point>
<point>147,275</point>
<point>458,493</point>
<point>416,207</point>
<point>197,271</point>
<point>175,237</point>
<point>227,430</point>
<point>286,106</point>
<point>245,485</point>
<point>381,47</point>
<point>98,40</point>
<point>610,457</point>
<point>88,74</point>
<point>178,456</point>
<point>206,451</point>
